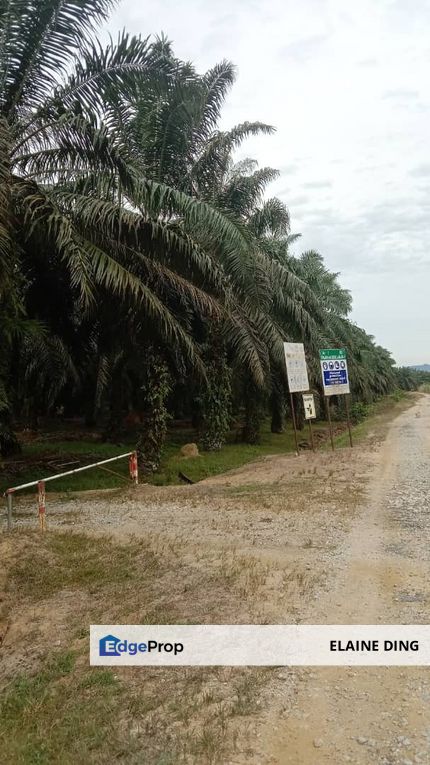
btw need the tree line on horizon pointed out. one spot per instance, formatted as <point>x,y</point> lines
<point>142,267</point>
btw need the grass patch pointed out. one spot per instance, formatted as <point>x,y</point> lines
<point>97,449</point>
<point>69,561</point>
<point>231,456</point>
<point>61,710</point>
<point>60,715</point>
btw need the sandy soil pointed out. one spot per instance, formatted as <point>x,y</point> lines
<point>322,538</point>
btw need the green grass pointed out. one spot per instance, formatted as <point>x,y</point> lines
<point>70,561</point>
<point>379,415</point>
<point>60,715</point>
<point>75,715</point>
<point>97,448</point>
<point>61,710</point>
<point>232,456</point>
<point>207,464</point>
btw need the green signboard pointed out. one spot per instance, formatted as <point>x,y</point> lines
<point>333,353</point>
<point>334,371</point>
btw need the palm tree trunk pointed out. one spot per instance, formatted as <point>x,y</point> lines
<point>113,428</point>
<point>216,399</point>
<point>9,443</point>
<point>277,405</point>
<point>253,414</point>
<point>152,432</point>
<point>299,411</point>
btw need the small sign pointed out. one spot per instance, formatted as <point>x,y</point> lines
<point>309,406</point>
<point>334,370</point>
<point>297,372</point>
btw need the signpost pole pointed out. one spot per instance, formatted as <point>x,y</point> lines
<point>329,422</point>
<point>293,415</point>
<point>311,435</point>
<point>348,419</point>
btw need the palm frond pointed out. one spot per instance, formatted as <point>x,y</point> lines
<point>5,204</point>
<point>271,219</point>
<point>48,366</point>
<point>40,37</point>
<point>243,192</point>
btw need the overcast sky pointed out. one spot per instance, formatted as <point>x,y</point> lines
<point>347,87</point>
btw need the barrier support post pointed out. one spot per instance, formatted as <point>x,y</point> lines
<point>9,502</point>
<point>42,505</point>
<point>133,468</point>
<point>136,477</point>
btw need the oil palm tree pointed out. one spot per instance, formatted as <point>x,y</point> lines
<point>176,142</point>
<point>75,196</point>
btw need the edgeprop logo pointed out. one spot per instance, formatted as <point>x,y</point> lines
<point>110,645</point>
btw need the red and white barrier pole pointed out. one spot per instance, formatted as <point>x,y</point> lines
<point>132,465</point>
<point>42,505</point>
<point>41,485</point>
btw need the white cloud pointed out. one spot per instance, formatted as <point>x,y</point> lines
<point>346,85</point>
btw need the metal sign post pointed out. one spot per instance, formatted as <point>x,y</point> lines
<point>311,435</point>
<point>297,374</point>
<point>310,414</point>
<point>329,422</point>
<point>348,419</point>
<point>293,415</point>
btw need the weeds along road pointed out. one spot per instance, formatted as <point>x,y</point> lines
<point>322,538</point>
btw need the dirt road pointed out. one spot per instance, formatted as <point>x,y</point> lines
<point>321,538</point>
<point>372,715</point>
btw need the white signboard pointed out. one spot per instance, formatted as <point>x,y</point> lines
<point>334,371</point>
<point>297,372</point>
<point>309,406</point>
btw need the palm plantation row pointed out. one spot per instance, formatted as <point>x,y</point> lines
<point>141,267</point>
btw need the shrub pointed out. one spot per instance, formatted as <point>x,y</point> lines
<point>359,412</point>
